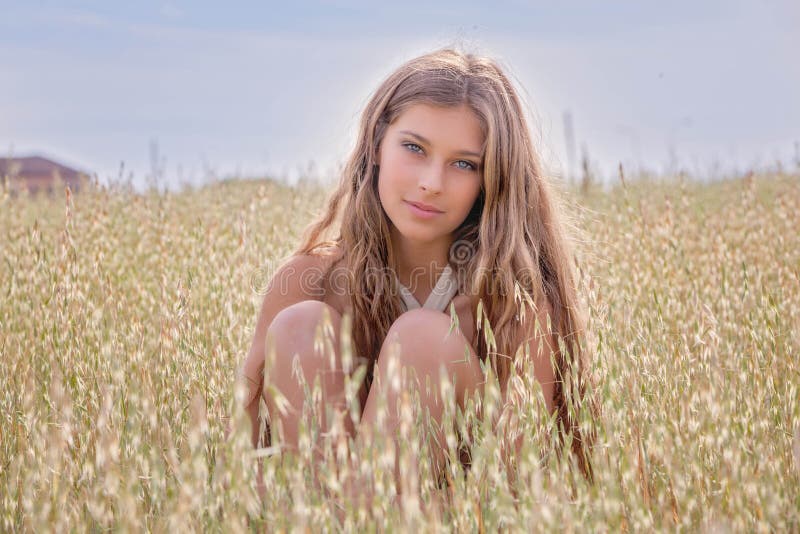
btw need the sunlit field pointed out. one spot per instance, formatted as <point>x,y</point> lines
<point>124,317</point>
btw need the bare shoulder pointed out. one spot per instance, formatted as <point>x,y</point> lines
<point>298,278</point>
<point>316,276</point>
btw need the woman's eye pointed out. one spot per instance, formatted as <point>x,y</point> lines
<point>469,167</point>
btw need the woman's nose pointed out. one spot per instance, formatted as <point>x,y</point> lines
<point>431,179</point>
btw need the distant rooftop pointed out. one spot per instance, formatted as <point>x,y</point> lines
<point>37,173</point>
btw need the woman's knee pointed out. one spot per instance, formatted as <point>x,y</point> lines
<point>427,338</point>
<point>421,327</point>
<point>294,329</point>
<point>421,320</point>
<point>305,314</point>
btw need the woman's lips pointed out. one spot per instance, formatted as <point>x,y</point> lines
<point>423,206</point>
<point>421,211</point>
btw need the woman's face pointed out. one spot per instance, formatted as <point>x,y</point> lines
<point>432,156</point>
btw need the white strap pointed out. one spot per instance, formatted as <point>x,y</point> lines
<point>444,291</point>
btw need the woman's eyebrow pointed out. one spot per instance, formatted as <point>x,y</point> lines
<point>462,152</point>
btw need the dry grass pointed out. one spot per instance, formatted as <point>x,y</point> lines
<point>123,319</point>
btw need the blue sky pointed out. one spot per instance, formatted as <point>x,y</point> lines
<point>268,88</point>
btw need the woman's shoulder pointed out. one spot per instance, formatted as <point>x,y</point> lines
<point>303,274</point>
<point>317,272</point>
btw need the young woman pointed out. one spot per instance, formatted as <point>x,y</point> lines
<point>442,204</point>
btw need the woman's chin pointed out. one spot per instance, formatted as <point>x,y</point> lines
<point>415,232</point>
<point>420,237</point>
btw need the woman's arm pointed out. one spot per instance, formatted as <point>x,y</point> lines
<point>295,281</point>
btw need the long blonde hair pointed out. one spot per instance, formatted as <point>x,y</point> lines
<point>511,243</point>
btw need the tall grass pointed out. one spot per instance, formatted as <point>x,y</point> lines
<point>123,319</point>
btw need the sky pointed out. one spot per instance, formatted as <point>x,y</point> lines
<point>178,92</point>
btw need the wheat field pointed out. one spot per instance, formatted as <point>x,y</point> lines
<point>124,317</point>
